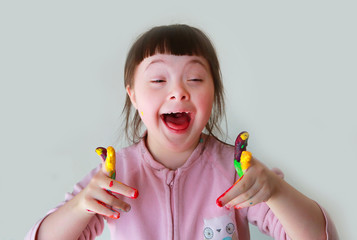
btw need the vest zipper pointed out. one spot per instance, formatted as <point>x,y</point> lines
<point>172,205</point>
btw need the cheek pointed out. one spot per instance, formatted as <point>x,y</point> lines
<point>205,103</point>
<point>145,114</point>
<point>148,108</point>
<point>148,102</point>
<point>144,109</point>
<point>209,97</point>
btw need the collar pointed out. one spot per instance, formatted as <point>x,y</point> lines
<point>158,167</point>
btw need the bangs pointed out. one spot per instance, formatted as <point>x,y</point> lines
<point>175,40</point>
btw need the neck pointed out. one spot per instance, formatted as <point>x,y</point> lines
<point>170,158</point>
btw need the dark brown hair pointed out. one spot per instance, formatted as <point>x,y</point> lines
<point>177,39</point>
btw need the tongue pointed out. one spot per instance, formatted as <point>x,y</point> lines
<point>177,121</point>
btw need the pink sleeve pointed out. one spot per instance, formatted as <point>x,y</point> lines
<point>330,229</point>
<point>95,226</point>
<point>261,216</point>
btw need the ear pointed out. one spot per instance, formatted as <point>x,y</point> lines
<point>131,95</point>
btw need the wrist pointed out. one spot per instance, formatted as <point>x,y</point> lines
<point>78,207</point>
<point>277,189</point>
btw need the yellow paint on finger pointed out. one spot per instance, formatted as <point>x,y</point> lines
<point>110,161</point>
<point>245,160</point>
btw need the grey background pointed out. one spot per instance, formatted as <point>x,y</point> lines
<point>289,71</point>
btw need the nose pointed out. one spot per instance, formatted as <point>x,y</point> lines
<point>179,93</point>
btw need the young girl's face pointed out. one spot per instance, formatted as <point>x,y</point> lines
<point>174,97</point>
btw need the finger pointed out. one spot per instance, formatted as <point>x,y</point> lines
<point>113,201</point>
<point>259,197</point>
<point>102,152</point>
<point>239,187</point>
<point>116,186</point>
<point>96,206</point>
<point>244,196</point>
<point>119,188</point>
<point>108,166</point>
<point>245,160</point>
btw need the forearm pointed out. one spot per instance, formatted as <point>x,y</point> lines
<point>301,217</point>
<point>68,222</point>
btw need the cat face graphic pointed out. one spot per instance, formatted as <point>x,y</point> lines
<point>219,228</point>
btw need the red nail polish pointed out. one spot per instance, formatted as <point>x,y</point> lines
<point>116,215</point>
<point>219,203</point>
<point>135,194</point>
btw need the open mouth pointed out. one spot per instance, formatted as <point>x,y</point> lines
<point>177,120</point>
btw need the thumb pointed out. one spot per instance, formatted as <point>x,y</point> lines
<point>108,167</point>
<point>245,160</point>
<point>102,152</point>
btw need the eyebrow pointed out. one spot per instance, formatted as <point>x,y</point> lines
<point>198,61</point>
<point>153,62</point>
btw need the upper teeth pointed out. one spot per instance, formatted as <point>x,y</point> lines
<point>178,112</point>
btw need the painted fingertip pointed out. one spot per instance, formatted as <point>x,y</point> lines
<point>135,194</point>
<point>219,203</point>
<point>237,207</point>
<point>111,184</point>
<point>115,215</point>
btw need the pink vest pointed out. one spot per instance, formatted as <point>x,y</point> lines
<point>179,204</point>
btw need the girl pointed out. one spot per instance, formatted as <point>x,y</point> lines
<point>172,78</point>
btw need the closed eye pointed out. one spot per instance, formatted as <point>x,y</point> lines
<point>157,81</point>
<point>196,80</point>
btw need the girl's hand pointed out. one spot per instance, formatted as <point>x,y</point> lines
<point>257,185</point>
<point>99,196</point>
